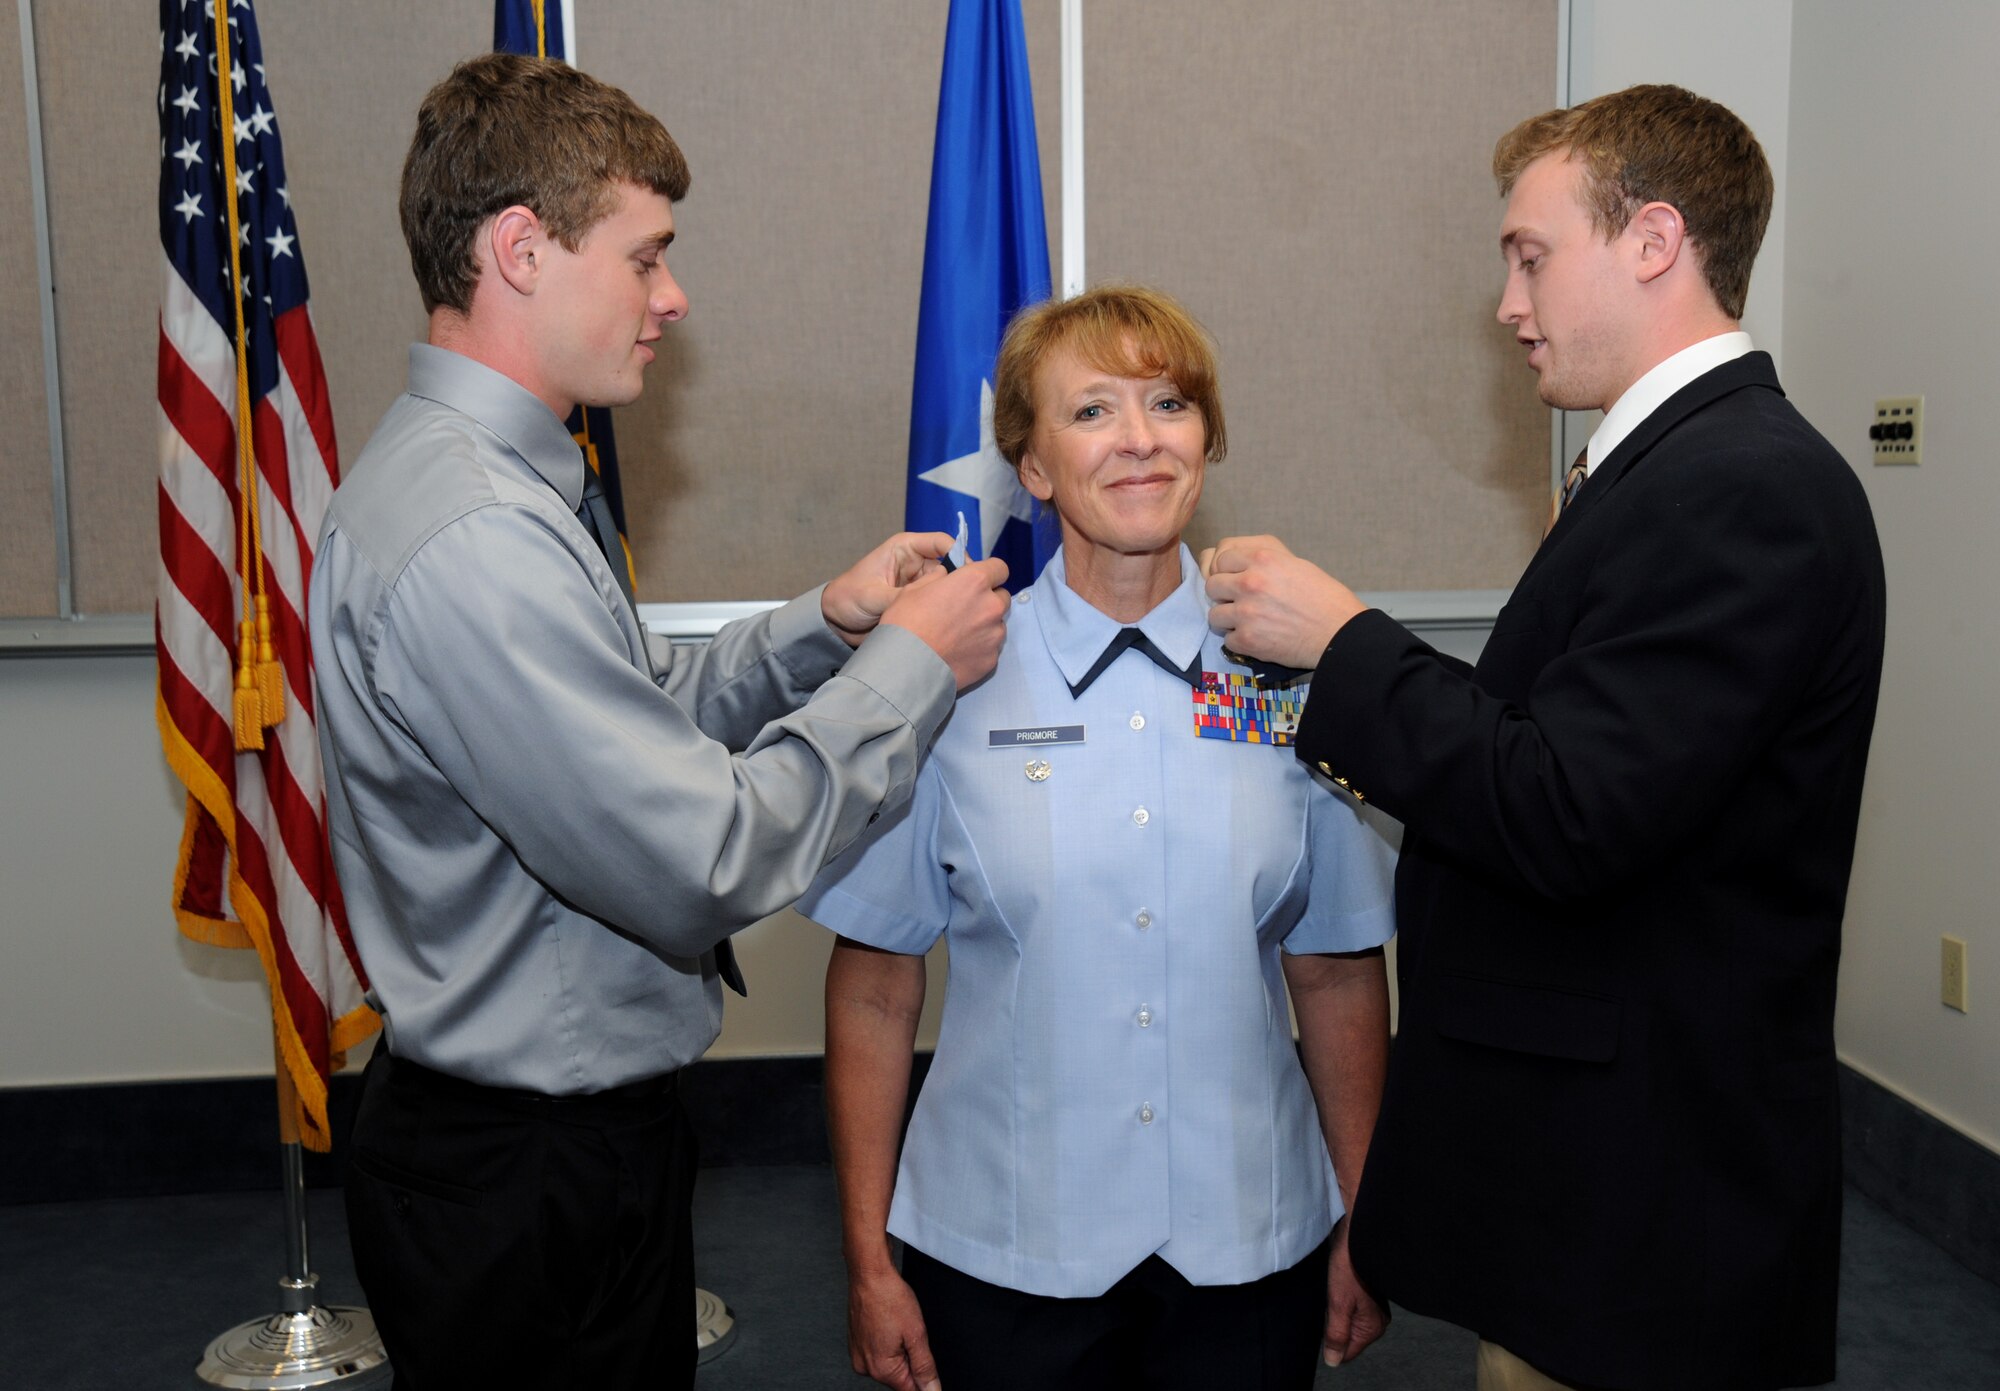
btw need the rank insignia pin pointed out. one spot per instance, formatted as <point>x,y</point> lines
<point>1038,770</point>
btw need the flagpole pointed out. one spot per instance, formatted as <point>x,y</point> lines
<point>1072,147</point>
<point>305,1343</point>
<point>714,1320</point>
<point>38,190</point>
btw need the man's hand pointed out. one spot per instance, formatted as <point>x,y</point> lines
<point>1271,605</point>
<point>962,616</point>
<point>1353,1318</point>
<point>886,1338</point>
<point>854,602</point>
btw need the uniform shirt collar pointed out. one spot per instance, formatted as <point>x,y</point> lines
<point>1651,391</point>
<point>1077,633</point>
<point>514,414</point>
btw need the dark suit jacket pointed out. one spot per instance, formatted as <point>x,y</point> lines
<point>1610,1140</point>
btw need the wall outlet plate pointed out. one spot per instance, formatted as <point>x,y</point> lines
<point>1898,431</point>
<point>1952,977</point>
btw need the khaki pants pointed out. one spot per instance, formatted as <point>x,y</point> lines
<point>1501,1370</point>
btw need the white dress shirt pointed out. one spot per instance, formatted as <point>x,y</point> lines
<point>1651,391</point>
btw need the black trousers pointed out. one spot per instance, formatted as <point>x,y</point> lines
<point>1151,1330</point>
<point>512,1239</point>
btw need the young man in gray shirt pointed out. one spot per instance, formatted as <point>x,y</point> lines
<point>546,824</point>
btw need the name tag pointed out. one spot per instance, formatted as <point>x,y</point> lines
<point>1230,705</point>
<point>1036,737</point>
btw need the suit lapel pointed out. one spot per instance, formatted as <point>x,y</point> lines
<point>1753,369</point>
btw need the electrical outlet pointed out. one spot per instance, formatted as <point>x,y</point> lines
<point>1898,431</point>
<point>1953,979</point>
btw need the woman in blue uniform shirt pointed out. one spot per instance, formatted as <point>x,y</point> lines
<point>1117,1171</point>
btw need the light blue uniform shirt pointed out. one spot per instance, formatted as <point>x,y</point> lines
<point>1115,1075</point>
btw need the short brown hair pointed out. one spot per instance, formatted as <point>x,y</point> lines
<point>1661,144</point>
<point>1125,329</point>
<point>506,129</point>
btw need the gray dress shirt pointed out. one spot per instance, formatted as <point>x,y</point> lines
<point>543,821</point>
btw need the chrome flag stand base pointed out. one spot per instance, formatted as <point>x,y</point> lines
<point>316,1347</point>
<point>307,1343</point>
<point>714,1326</point>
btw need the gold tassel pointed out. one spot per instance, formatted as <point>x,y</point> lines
<point>270,674</point>
<point>249,710</point>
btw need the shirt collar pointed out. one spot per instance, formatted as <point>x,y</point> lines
<point>1651,391</point>
<point>521,420</point>
<point>1077,633</point>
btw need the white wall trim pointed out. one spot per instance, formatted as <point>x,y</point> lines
<point>1418,609</point>
<point>97,635</point>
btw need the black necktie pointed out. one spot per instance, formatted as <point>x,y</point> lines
<point>1127,639</point>
<point>595,514</point>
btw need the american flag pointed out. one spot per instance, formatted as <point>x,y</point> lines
<point>254,869</point>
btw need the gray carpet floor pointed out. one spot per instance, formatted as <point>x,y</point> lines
<point>127,1293</point>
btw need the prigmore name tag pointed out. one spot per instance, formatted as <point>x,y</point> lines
<point>1037,736</point>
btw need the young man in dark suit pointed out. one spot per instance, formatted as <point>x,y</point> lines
<point>1610,1141</point>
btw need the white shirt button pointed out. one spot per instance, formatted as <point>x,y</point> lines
<point>1144,918</point>
<point>1141,817</point>
<point>1138,720</point>
<point>1145,1113</point>
<point>1145,1016</point>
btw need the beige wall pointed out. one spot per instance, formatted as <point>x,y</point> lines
<point>1293,174</point>
<point>809,130</point>
<point>1287,167</point>
<point>1890,290</point>
<point>1615,45</point>
<point>95,983</point>
<point>1877,296</point>
<point>1873,282</point>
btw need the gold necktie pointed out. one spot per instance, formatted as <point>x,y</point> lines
<point>1572,482</point>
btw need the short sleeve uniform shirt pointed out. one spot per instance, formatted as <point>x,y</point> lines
<point>1116,1074</point>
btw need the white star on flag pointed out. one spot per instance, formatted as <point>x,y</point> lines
<point>187,47</point>
<point>189,207</point>
<point>187,100</point>
<point>986,476</point>
<point>281,245</point>
<point>189,154</point>
<point>261,119</point>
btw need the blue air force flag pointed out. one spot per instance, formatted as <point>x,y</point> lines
<point>986,254</point>
<point>534,27</point>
